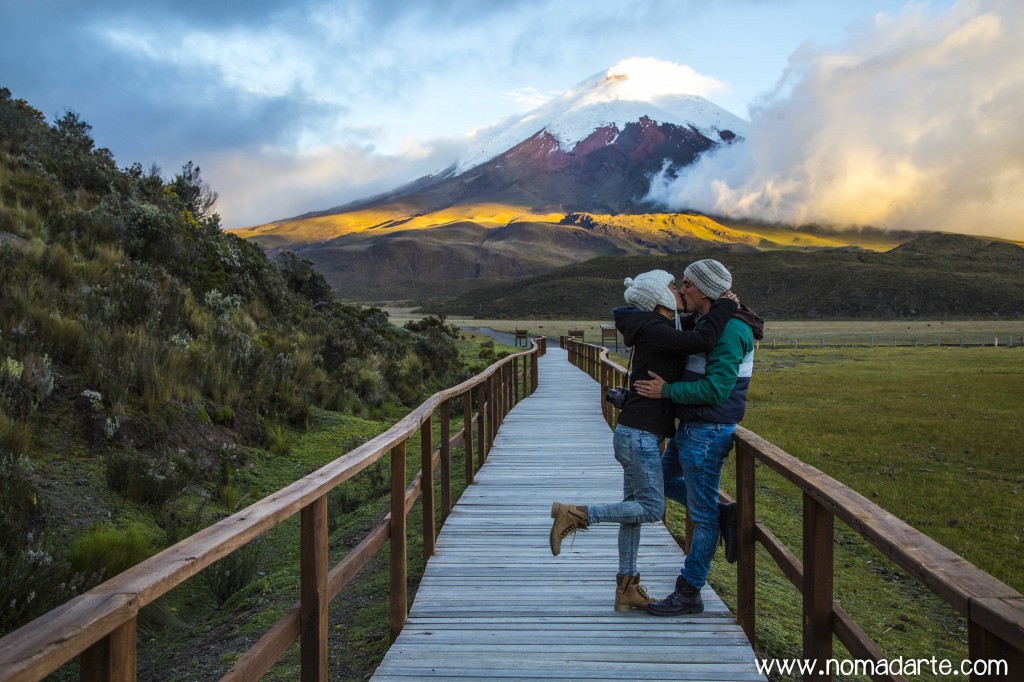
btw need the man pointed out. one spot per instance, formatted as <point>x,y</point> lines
<point>710,401</point>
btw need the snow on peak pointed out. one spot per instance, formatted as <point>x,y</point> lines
<point>663,91</point>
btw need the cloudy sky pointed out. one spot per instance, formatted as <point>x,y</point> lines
<point>300,106</point>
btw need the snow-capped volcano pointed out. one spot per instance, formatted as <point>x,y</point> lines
<point>627,92</point>
<point>593,148</point>
<point>521,202</point>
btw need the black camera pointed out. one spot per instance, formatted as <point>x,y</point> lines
<point>617,396</point>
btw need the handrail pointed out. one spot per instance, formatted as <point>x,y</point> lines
<point>994,610</point>
<point>100,625</point>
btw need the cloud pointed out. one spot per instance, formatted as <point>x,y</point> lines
<point>914,124</point>
<point>266,184</point>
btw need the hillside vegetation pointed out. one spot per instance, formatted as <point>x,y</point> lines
<point>933,276</point>
<point>144,353</point>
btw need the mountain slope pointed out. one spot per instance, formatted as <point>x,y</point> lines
<point>933,276</point>
<point>407,261</point>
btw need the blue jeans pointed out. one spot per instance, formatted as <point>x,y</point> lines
<point>643,499</point>
<point>692,469</point>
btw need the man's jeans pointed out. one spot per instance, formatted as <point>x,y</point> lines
<point>692,469</point>
<point>643,499</point>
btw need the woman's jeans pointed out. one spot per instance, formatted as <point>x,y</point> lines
<point>643,497</point>
<point>692,469</point>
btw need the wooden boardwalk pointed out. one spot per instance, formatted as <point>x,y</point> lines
<point>495,605</point>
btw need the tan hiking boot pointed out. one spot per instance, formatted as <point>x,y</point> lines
<point>629,593</point>
<point>569,518</point>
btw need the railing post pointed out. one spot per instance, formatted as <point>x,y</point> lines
<point>819,531</point>
<point>446,462</point>
<point>492,410</point>
<point>746,557</point>
<point>513,385</point>
<point>112,659</point>
<point>481,410</point>
<point>985,645</point>
<point>515,380</point>
<point>398,607</point>
<point>606,407</point>
<point>314,599</point>
<point>467,433</point>
<point>534,373</point>
<point>502,403</point>
<point>427,485</point>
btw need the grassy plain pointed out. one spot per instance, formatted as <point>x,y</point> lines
<point>930,434</point>
<point>783,334</point>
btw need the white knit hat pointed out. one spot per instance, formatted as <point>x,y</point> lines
<point>710,277</point>
<point>650,289</point>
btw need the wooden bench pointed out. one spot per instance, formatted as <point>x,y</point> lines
<point>577,334</point>
<point>609,336</point>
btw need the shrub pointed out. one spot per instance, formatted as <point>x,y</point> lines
<point>147,478</point>
<point>223,415</point>
<point>20,515</point>
<point>105,550</point>
<point>229,497</point>
<point>15,437</point>
<point>278,439</point>
<point>235,571</point>
<point>35,580</point>
<point>59,265</point>
<point>178,524</point>
<point>64,335</point>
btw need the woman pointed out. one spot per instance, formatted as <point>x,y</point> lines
<point>648,327</point>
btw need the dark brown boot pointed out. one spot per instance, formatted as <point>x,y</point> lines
<point>629,593</point>
<point>685,600</point>
<point>569,519</point>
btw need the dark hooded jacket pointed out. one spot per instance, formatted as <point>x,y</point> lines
<point>660,348</point>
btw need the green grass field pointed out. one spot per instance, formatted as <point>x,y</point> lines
<point>930,434</point>
<point>782,334</point>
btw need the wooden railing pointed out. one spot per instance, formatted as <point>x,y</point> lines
<point>100,625</point>
<point>994,610</point>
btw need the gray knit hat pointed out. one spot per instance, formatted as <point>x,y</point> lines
<point>649,290</point>
<point>710,277</point>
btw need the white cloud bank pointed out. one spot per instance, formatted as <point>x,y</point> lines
<point>273,183</point>
<point>917,123</point>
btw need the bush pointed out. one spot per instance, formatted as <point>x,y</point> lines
<point>278,439</point>
<point>35,580</point>
<point>149,479</point>
<point>105,551</point>
<point>21,518</point>
<point>235,571</point>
